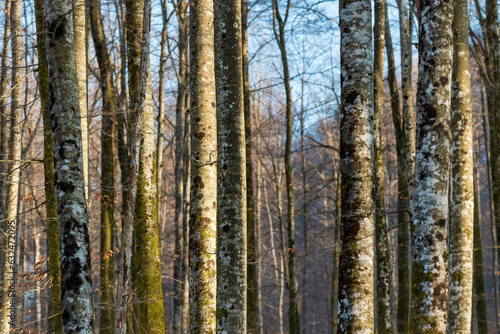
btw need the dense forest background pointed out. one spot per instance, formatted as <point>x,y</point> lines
<point>293,74</point>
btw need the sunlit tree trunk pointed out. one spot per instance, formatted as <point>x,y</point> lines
<point>462,178</point>
<point>76,283</point>
<point>356,272</point>
<point>203,214</point>
<point>3,117</point>
<point>12,189</point>
<point>429,280</point>
<point>336,252</point>
<point>81,68</point>
<point>107,169</point>
<point>53,244</point>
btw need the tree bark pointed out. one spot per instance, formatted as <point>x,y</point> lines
<point>356,147</point>
<point>429,285</point>
<point>253,315</point>
<point>3,117</point>
<point>232,190</point>
<point>203,215</point>
<point>382,278</point>
<point>462,198</point>
<point>107,170</point>
<point>76,283</point>
<point>12,189</point>
<point>53,244</point>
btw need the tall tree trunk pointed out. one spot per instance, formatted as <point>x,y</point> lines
<point>180,165</point>
<point>356,145</point>
<point>81,68</point>
<point>203,215</point>
<point>3,118</point>
<point>336,251</point>
<point>139,101</point>
<point>231,185</point>
<point>107,268</point>
<point>462,178</point>
<point>429,284</point>
<point>382,278</point>
<point>478,269</point>
<point>291,281</point>
<point>253,315</point>
<point>407,148</point>
<point>185,219</point>
<point>146,252</point>
<point>76,282</point>
<point>53,244</point>
<point>12,190</point>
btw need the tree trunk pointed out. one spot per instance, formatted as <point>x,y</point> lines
<point>336,252</point>
<point>81,68</point>
<point>382,279</point>
<point>140,103</point>
<point>53,244</point>
<point>253,315</point>
<point>478,269</point>
<point>180,166</point>
<point>203,215</point>
<point>462,178</point>
<point>291,282</point>
<point>232,192</point>
<point>12,190</point>
<point>405,166</point>
<point>107,268</point>
<point>356,146</point>
<point>76,283</point>
<point>3,120</point>
<point>429,286</point>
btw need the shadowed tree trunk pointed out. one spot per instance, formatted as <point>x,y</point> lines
<point>107,274</point>
<point>231,193</point>
<point>429,283</point>
<point>462,178</point>
<point>53,244</point>
<point>203,215</point>
<point>76,283</point>
<point>382,279</point>
<point>356,272</point>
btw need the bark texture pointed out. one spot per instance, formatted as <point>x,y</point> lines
<point>107,269</point>
<point>3,116</point>
<point>462,178</point>
<point>382,279</point>
<point>76,283</point>
<point>231,191</point>
<point>356,272</point>
<point>53,243</point>
<point>14,170</point>
<point>429,284</point>
<point>203,215</point>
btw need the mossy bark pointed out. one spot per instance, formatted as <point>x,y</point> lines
<point>76,282</point>
<point>231,185</point>
<point>382,278</point>
<point>429,280</point>
<point>462,178</point>
<point>53,244</point>
<point>203,214</point>
<point>14,171</point>
<point>107,170</point>
<point>356,272</point>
